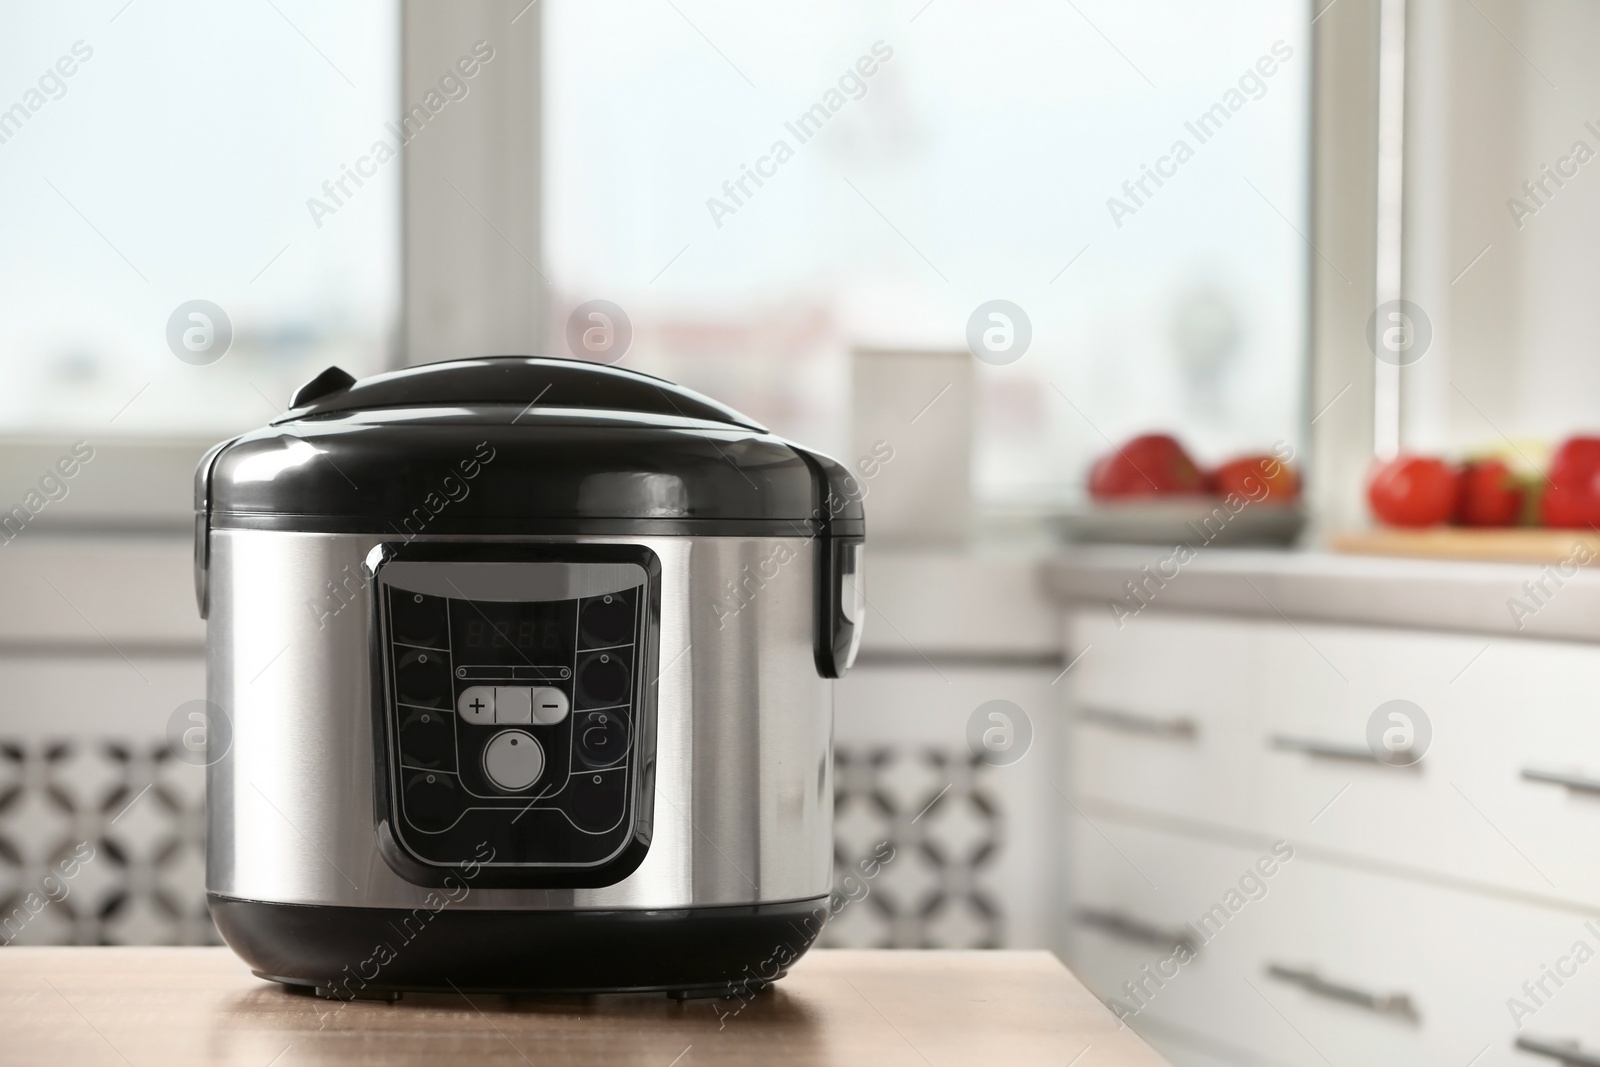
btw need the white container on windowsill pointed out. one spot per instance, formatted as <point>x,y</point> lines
<point>915,406</point>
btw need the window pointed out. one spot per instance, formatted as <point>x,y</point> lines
<point>1502,214</point>
<point>1002,151</point>
<point>158,153</point>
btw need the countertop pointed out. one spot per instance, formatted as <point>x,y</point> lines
<point>1359,590</point>
<point>177,1006</point>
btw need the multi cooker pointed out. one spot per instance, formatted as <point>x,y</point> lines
<point>525,666</point>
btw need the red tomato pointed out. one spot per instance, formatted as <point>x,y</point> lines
<point>1490,494</point>
<point>1572,499</point>
<point>1152,465</point>
<point>1257,479</point>
<point>1413,491</point>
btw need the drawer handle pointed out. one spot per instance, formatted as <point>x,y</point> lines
<point>1397,1004</point>
<point>1182,727</point>
<point>1570,1053</point>
<point>1125,927</point>
<point>1312,746</point>
<point>1576,782</point>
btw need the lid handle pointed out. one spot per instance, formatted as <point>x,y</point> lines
<point>327,383</point>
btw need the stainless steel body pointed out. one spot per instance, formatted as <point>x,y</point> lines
<point>743,784</point>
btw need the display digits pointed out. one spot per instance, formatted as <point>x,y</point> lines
<point>519,629</point>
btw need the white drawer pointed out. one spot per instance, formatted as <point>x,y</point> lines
<point>1458,955</point>
<point>1317,781</point>
<point>1133,890</point>
<point>1162,713</point>
<point>1533,708</point>
<point>1465,809</point>
<point>1455,956</point>
<point>1566,1021</point>
<point>1346,951</point>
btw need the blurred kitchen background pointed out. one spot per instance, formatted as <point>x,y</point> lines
<point>1166,722</point>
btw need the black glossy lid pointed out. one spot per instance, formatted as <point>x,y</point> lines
<point>529,380</point>
<point>513,444</point>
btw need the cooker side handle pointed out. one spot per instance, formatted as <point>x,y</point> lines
<point>202,526</point>
<point>840,617</point>
<point>839,531</point>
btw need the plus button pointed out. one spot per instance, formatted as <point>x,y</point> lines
<point>476,705</point>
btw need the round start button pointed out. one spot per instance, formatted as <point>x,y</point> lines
<point>513,760</point>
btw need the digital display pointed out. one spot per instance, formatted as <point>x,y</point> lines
<point>525,634</point>
<point>512,633</point>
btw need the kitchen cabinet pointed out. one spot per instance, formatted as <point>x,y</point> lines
<point>1420,899</point>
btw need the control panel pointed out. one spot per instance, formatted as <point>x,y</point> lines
<point>515,712</point>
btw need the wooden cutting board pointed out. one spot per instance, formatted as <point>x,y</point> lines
<point>1575,547</point>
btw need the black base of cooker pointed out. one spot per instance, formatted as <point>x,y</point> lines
<point>376,953</point>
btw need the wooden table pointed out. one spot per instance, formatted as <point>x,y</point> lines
<point>138,1006</point>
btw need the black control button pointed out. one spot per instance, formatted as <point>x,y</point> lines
<point>417,619</point>
<point>607,620</point>
<point>427,739</point>
<point>601,737</point>
<point>423,678</point>
<point>597,801</point>
<point>432,801</point>
<point>603,680</point>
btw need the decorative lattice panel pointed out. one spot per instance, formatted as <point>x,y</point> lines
<point>946,828</point>
<point>101,843</point>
